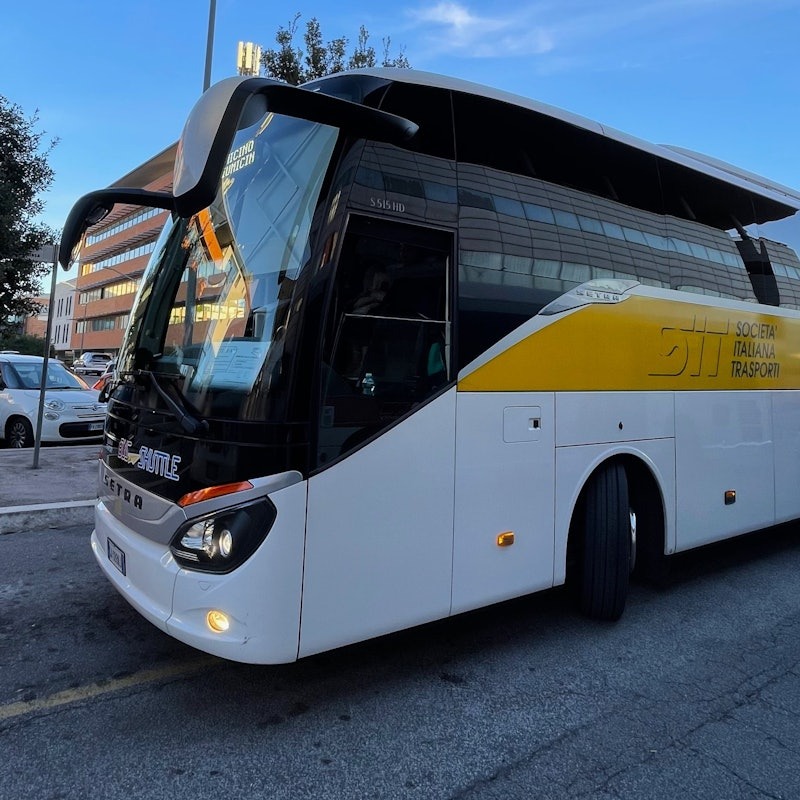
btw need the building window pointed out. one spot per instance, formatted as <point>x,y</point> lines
<point>123,224</point>
<point>118,289</point>
<point>119,258</point>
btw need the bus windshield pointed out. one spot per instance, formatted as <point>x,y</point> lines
<point>216,298</point>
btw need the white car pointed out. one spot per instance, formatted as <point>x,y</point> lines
<point>92,363</point>
<point>72,411</point>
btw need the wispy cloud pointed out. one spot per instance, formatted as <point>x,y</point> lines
<point>559,32</point>
<point>452,27</point>
<point>449,14</point>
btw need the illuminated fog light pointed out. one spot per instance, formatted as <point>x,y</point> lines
<point>225,543</point>
<point>218,621</point>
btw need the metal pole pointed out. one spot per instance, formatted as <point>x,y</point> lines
<point>43,382</point>
<point>212,13</point>
<point>83,328</point>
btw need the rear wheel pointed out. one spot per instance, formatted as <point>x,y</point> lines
<point>608,551</point>
<point>19,432</point>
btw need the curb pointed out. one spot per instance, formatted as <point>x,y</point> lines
<point>14,519</point>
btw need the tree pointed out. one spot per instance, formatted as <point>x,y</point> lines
<point>293,65</point>
<point>24,343</point>
<point>24,175</point>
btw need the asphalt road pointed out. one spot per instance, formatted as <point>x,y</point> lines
<point>694,693</point>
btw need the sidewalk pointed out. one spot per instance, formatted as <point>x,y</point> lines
<point>61,492</point>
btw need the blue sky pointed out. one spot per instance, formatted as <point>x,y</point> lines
<point>114,82</point>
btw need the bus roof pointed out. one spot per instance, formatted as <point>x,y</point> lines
<point>696,162</point>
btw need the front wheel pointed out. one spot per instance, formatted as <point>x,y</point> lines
<point>19,433</point>
<point>608,550</point>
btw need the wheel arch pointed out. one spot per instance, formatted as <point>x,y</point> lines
<point>11,419</point>
<point>650,489</point>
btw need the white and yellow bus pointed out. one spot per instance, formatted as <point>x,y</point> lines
<point>410,346</point>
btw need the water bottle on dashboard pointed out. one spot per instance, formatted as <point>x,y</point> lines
<point>368,385</point>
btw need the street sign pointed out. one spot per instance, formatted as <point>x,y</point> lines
<point>47,253</point>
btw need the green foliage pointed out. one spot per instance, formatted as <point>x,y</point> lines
<point>24,175</point>
<point>22,343</point>
<point>363,55</point>
<point>289,63</point>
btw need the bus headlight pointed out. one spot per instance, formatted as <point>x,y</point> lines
<point>225,543</point>
<point>221,541</point>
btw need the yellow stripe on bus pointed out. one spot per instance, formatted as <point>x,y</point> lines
<point>649,344</point>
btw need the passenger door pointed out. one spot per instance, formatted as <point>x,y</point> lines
<point>380,509</point>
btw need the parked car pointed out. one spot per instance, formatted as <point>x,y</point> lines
<point>72,411</point>
<point>92,363</point>
<point>101,382</point>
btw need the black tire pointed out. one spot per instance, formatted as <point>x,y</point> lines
<point>19,432</point>
<point>606,552</point>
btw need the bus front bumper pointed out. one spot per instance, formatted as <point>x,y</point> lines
<point>260,599</point>
<point>142,571</point>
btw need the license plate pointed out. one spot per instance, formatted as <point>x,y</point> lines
<point>116,555</point>
<point>96,426</point>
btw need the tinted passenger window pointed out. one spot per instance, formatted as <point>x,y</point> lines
<point>387,345</point>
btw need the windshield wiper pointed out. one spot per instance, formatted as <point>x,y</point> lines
<point>190,423</point>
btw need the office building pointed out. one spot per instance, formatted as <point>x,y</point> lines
<point>113,257</point>
<point>61,329</point>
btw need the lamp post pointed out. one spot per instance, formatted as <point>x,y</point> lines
<point>212,12</point>
<point>48,253</point>
<point>83,326</point>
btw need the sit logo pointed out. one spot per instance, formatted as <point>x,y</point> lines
<point>692,350</point>
<point>124,454</point>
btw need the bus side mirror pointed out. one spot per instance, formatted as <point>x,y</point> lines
<point>239,102</point>
<point>95,206</point>
<point>88,211</point>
